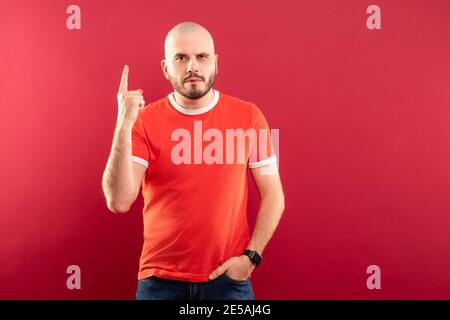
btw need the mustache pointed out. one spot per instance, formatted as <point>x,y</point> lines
<point>194,76</point>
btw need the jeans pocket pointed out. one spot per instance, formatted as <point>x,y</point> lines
<point>235,281</point>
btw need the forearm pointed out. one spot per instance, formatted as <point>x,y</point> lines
<point>118,181</point>
<point>271,208</point>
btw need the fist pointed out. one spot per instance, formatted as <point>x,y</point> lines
<point>128,102</point>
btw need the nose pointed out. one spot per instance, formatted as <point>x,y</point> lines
<point>192,66</point>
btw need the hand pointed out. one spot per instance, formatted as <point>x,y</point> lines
<point>128,102</point>
<point>237,268</point>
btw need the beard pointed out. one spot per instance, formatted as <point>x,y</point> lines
<point>193,92</point>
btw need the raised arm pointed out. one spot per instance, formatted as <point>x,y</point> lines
<point>122,177</point>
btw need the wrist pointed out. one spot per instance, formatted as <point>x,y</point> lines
<point>124,124</point>
<point>254,257</point>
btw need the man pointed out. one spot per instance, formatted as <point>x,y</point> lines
<point>182,149</point>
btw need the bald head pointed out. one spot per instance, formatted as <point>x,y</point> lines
<point>189,35</point>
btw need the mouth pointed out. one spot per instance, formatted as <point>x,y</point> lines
<point>193,80</point>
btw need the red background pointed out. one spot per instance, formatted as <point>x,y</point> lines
<point>364,140</point>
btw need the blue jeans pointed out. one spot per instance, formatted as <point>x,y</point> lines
<point>221,288</point>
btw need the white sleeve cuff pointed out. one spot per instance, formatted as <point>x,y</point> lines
<point>140,161</point>
<point>262,163</point>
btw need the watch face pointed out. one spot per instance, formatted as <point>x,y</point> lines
<point>254,257</point>
<point>257,258</point>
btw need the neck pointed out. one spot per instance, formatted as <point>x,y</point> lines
<point>194,103</point>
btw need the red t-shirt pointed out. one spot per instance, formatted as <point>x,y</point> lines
<point>195,186</point>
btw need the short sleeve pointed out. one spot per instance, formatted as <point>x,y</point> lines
<point>262,151</point>
<point>139,142</point>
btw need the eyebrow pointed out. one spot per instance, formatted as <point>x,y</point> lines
<point>180,54</point>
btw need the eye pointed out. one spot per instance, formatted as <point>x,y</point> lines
<point>180,58</point>
<point>203,56</point>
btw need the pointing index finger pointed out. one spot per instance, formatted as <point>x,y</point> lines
<point>124,80</point>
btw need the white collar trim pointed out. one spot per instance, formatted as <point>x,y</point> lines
<point>195,111</point>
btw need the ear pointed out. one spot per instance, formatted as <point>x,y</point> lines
<point>164,68</point>
<point>217,65</point>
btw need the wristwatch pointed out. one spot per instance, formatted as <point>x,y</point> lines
<point>255,258</point>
